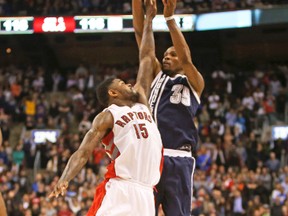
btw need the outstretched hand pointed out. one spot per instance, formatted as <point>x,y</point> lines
<point>169,7</point>
<point>151,8</point>
<point>59,189</point>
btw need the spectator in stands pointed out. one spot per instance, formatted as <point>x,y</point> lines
<point>203,161</point>
<point>213,100</point>
<point>273,164</point>
<point>18,156</point>
<point>256,184</point>
<point>276,207</point>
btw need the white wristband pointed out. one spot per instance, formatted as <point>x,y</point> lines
<point>169,18</point>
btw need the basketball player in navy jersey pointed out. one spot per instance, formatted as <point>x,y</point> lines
<point>131,139</point>
<point>174,100</point>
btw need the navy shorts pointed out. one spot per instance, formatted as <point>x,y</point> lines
<point>174,188</point>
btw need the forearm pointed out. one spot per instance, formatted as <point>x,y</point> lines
<point>184,56</point>
<point>146,57</point>
<point>74,165</point>
<point>179,42</point>
<point>138,20</point>
<point>79,158</point>
<point>147,48</point>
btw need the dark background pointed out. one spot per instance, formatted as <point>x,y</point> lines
<point>245,47</point>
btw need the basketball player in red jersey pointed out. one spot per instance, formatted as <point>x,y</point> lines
<point>130,137</point>
<point>2,204</point>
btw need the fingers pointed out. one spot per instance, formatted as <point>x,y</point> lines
<point>54,193</point>
<point>151,8</point>
<point>168,2</point>
<point>51,195</point>
<point>62,188</point>
<point>59,190</point>
<point>153,4</point>
<point>150,2</point>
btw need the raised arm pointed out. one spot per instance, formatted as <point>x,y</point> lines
<point>182,48</point>
<point>102,124</point>
<point>146,54</point>
<point>138,24</point>
<point>138,20</point>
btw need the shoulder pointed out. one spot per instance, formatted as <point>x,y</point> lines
<point>103,120</point>
<point>140,105</point>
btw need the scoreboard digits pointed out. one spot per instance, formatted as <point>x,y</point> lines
<point>16,25</point>
<point>85,24</point>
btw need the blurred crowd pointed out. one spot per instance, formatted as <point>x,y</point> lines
<point>241,169</point>
<point>97,7</point>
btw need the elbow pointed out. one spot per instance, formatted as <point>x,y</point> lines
<point>200,86</point>
<point>147,55</point>
<point>186,60</point>
<point>147,60</point>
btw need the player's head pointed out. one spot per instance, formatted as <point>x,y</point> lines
<point>170,62</point>
<point>113,88</point>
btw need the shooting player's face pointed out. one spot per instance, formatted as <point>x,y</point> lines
<point>170,62</point>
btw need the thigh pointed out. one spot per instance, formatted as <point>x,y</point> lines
<point>177,190</point>
<point>125,199</point>
<point>115,201</point>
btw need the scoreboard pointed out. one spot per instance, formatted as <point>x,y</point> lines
<point>124,23</point>
<point>85,24</point>
<point>16,25</point>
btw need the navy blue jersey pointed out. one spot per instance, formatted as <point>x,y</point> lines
<point>174,104</point>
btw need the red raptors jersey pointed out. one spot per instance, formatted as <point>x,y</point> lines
<point>134,145</point>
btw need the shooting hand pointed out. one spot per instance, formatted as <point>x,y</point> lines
<point>169,7</point>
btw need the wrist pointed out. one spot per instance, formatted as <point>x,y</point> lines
<point>169,18</point>
<point>149,18</point>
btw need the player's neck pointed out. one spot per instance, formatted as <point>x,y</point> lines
<point>123,102</point>
<point>180,72</point>
<point>175,73</point>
